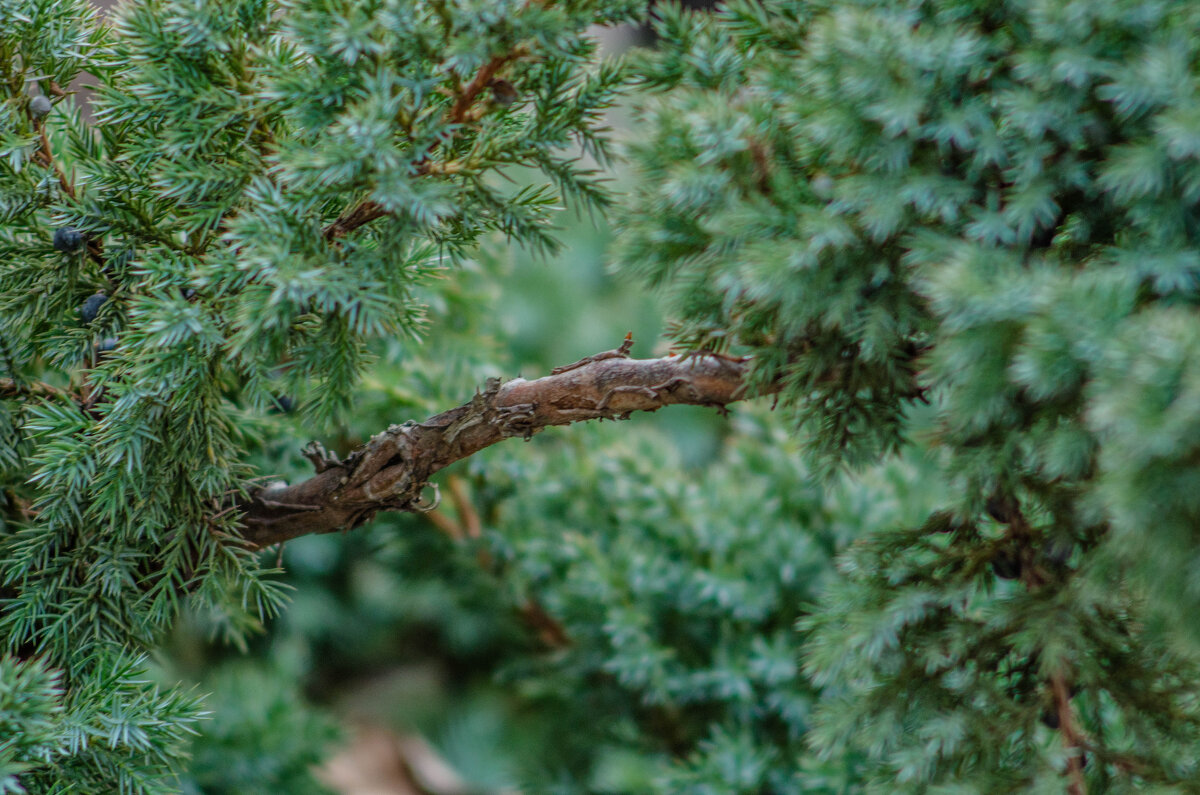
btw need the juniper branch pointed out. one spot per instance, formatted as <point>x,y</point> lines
<point>369,210</point>
<point>390,471</point>
<point>1072,736</point>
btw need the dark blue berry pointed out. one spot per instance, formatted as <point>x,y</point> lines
<point>40,106</point>
<point>106,345</point>
<point>67,239</point>
<point>91,307</point>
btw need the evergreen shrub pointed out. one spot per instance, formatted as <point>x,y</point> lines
<point>955,240</point>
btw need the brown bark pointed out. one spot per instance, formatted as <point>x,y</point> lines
<point>391,471</point>
<point>1005,508</point>
<point>1072,736</point>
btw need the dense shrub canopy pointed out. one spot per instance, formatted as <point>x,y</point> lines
<point>990,207</point>
<point>957,238</point>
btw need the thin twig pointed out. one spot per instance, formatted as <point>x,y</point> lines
<point>445,524</point>
<point>1072,736</point>
<point>467,515</point>
<point>45,158</point>
<point>11,388</point>
<point>483,78</point>
<point>549,629</point>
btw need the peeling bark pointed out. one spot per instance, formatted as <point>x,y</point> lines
<point>391,470</point>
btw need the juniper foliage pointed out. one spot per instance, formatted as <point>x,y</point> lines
<point>988,207</point>
<point>236,149</point>
<point>678,601</point>
<point>992,207</point>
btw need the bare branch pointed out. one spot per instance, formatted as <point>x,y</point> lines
<point>362,213</point>
<point>392,469</point>
<point>459,112</point>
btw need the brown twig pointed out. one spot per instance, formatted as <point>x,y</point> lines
<point>621,352</point>
<point>44,157</point>
<point>548,629</point>
<point>23,506</point>
<point>1006,509</point>
<point>467,515</point>
<point>390,471</point>
<point>445,524</point>
<point>11,388</point>
<point>1072,736</point>
<point>362,213</point>
<point>468,520</point>
<point>483,78</point>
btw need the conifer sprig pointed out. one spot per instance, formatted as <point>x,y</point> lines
<point>990,209</point>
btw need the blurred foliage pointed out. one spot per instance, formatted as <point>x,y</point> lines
<point>989,207</point>
<point>256,739</point>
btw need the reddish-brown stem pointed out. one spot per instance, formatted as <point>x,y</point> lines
<point>483,78</point>
<point>45,158</point>
<point>362,213</point>
<point>1072,736</point>
<point>468,517</point>
<point>549,630</point>
<point>445,525</point>
<point>11,388</point>
<point>1033,576</point>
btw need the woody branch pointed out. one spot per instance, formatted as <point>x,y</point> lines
<point>391,471</point>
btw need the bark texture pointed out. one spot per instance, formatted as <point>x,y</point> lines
<point>391,471</point>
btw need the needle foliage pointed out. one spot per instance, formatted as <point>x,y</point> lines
<point>990,207</point>
<point>216,198</point>
<point>959,238</point>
